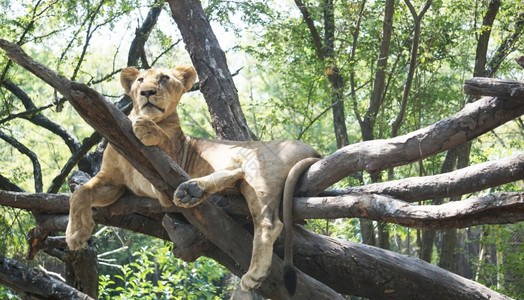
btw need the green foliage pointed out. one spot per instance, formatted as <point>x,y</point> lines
<point>14,224</point>
<point>503,270</point>
<point>156,274</point>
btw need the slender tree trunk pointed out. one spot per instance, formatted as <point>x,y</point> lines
<point>335,78</point>
<point>377,97</point>
<point>449,239</point>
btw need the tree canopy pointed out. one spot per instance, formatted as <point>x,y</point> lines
<point>418,164</point>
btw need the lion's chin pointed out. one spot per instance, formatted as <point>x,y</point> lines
<point>150,107</point>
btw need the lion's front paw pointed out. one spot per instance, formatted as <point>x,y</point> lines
<point>77,238</point>
<point>189,194</point>
<point>146,131</point>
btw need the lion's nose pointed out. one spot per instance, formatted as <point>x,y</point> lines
<point>148,93</point>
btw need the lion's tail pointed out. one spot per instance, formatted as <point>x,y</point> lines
<point>290,276</point>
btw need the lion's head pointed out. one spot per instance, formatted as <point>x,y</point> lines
<point>156,92</point>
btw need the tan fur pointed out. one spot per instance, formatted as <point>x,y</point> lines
<point>258,169</point>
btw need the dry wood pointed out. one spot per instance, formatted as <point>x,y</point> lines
<point>482,86</point>
<point>501,208</point>
<point>375,273</point>
<point>492,209</point>
<point>466,180</point>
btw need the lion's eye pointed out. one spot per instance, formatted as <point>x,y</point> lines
<point>163,78</point>
<point>140,80</point>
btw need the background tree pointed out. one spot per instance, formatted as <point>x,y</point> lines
<point>285,84</point>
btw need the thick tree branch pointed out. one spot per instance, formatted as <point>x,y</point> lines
<point>394,276</point>
<point>34,283</point>
<point>494,87</point>
<point>462,181</point>
<point>313,253</point>
<point>492,209</point>
<point>372,156</point>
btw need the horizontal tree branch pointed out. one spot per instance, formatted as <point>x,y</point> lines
<point>457,183</point>
<point>501,208</point>
<point>481,86</point>
<point>491,209</point>
<point>372,156</point>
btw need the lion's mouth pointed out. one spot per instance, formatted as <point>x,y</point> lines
<point>149,104</point>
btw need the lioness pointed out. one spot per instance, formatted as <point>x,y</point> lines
<point>258,169</point>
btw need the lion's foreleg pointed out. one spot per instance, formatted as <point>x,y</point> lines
<point>95,192</point>
<point>196,190</point>
<point>150,134</point>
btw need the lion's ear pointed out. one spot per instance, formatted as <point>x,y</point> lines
<point>186,74</point>
<point>127,77</point>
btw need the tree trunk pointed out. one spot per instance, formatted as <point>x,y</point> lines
<point>216,82</point>
<point>377,96</point>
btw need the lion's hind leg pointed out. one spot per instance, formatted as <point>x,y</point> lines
<point>96,192</point>
<point>267,227</point>
<point>194,191</point>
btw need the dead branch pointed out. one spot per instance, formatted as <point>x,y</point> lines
<point>501,208</point>
<point>492,209</point>
<point>494,87</point>
<point>466,180</point>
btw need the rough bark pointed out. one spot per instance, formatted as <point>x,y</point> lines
<point>491,209</point>
<point>394,276</point>
<point>448,184</point>
<point>34,283</point>
<point>316,254</point>
<point>501,208</point>
<point>377,96</point>
<point>494,87</point>
<point>216,82</point>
